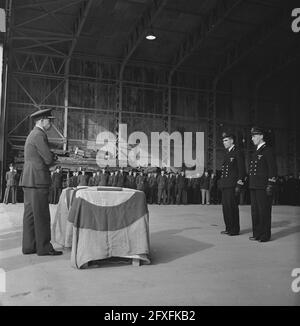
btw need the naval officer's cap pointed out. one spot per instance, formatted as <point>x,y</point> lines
<point>228,134</point>
<point>42,114</point>
<point>257,131</point>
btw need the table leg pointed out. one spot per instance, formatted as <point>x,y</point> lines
<point>135,262</point>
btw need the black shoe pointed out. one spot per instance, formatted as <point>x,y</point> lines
<point>51,252</point>
<point>224,232</point>
<point>231,234</point>
<point>254,239</point>
<point>264,240</point>
<point>29,252</point>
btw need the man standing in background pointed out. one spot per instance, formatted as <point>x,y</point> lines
<point>11,185</point>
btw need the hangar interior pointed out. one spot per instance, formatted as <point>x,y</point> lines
<point>215,65</point>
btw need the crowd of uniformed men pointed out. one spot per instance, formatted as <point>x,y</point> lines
<point>160,187</point>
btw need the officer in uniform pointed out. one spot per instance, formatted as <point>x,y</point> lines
<point>83,179</point>
<point>35,180</point>
<point>140,181</point>
<point>162,188</point>
<point>181,185</point>
<point>11,185</point>
<point>152,188</point>
<point>121,178</point>
<point>232,179</point>
<point>110,179</point>
<point>93,180</point>
<point>130,180</point>
<point>103,178</point>
<point>57,184</point>
<point>262,179</point>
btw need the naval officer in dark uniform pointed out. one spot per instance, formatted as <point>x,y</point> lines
<point>262,179</point>
<point>35,180</point>
<point>232,179</point>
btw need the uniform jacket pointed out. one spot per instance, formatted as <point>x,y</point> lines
<point>121,180</point>
<point>233,168</point>
<point>130,181</point>
<point>115,180</point>
<point>93,181</point>
<point>73,181</point>
<point>57,180</point>
<point>171,182</point>
<point>140,182</point>
<point>196,183</point>
<point>212,182</point>
<point>37,160</point>
<point>162,181</point>
<point>103,179</point>
<point>82,180</point>
<point>181,182</point>
<point>262,168</point>
<point>153,181</point>
<point>11,178</point>
<point>110,180</point>
<point>204,182</point>
<point>97,180</point>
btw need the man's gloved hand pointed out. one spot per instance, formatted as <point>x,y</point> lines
<point>55,157</point>
<point>237,190</point>
<point>269,190</point>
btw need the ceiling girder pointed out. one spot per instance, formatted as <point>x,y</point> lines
<point>208,23</point>
<point>239,50</point>
<point>140,29</point>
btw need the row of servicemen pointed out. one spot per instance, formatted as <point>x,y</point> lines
<point>159,187</point>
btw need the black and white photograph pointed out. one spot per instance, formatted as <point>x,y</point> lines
<point>149,155</point>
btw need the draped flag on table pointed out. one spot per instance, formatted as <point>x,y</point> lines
<point>104,222</point>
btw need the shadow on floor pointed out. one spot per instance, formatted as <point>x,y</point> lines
<point>167,246</point>
<point>275,225</point>
<point>21,261</point>
<point>10,240</point>
<point>285,232</point>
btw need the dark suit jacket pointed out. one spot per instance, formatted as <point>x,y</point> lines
<point>233,168</point>
<point>37,160</point>
<point>121,180</point>
<point>57,180</point>
<point>11,178</point>
<point>162,181</point>
<point>103,179</point>
<point>262,169</point>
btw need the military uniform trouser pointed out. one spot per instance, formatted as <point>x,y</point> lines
<point>261,208</point>
<point>162,196</point>
<point>36,221</point>
<point>56,195</point>
<point>230,210</point>
<point>10,190</point>
<point>181,196</point>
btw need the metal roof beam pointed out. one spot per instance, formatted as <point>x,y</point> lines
<point>139,31</point>
<point>208,24</point>
<point>72,3</point>
<point>40,3</point>
<point>79,22</point>
<point>243,47</point>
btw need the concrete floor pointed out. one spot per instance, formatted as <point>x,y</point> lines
<point>192,264</point>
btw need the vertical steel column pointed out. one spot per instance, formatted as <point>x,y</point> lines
<point>77,28</point>
<point>66,105</point>
<point>167,109</point>
<point>211,162</point>
<point>3,109</point>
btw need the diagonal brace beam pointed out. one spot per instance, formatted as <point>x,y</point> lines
<point>140,29</point>
<point>208,24</point>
